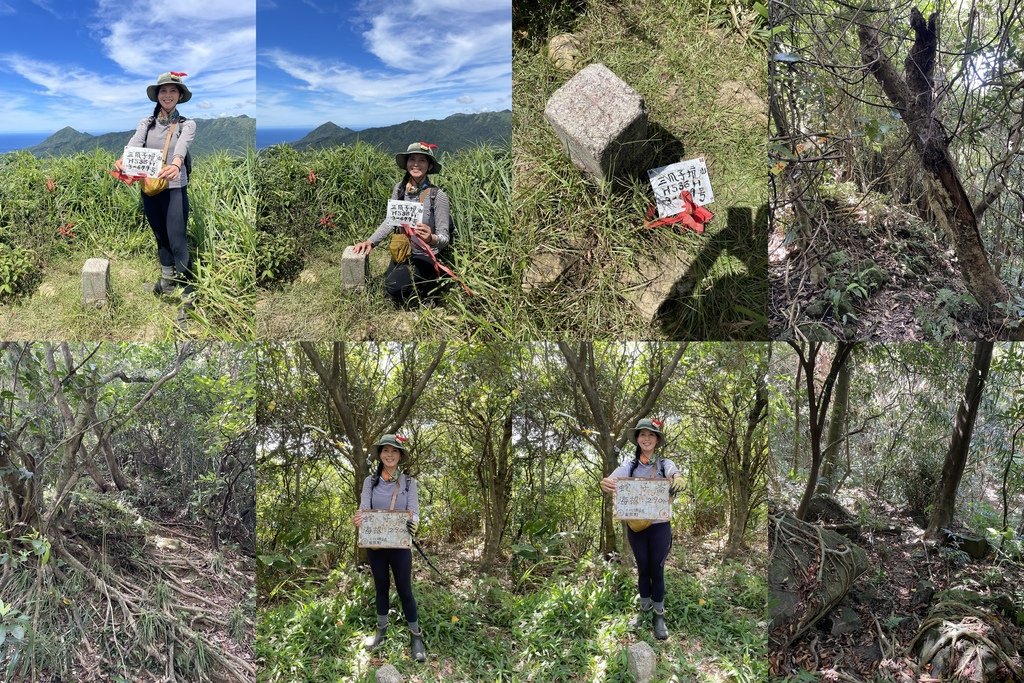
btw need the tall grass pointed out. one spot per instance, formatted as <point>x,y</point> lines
<point>67,209</point>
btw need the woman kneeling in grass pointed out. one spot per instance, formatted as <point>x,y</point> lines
<point>413,276</point>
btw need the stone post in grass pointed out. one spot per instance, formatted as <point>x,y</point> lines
<point>641,662</point>
<point>602,123</point>
<point>96,282</point>
<point>355,269</point>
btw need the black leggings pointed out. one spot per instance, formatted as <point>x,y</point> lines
<point>400,562</point>
<point>415,279</point>
<point>167,214</point>
<point>650,547</point>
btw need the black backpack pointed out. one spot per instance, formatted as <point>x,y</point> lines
<point>188,155</point>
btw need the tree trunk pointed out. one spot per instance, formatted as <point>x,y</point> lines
<point>914,98</point>
<point>960,442</point>
<point>836,429</point>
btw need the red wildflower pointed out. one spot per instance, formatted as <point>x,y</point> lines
<point>50,185</point>
<point>67,231</point>
<point>327,221</point>
<point>311,177</point>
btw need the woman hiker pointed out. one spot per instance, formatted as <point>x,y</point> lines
<point>650,541</point>
<point>412,276</point>
<point>167,212</point>
<point>389,488</point>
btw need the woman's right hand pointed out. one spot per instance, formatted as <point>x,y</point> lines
<point>358,518</point>
<point>362,247</point>
<point>608,485</point>
<point>119,164</point>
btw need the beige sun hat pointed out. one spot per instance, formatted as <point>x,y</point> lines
<point>174,78</point>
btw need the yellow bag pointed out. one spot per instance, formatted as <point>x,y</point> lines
<point>400,248</point>
<point>638,525</point>
<point>154,186</point>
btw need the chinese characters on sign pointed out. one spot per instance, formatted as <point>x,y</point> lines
<point>669,181</point>
<point>641,498</point>
<point>142,161</point>
<point>384,529</point>
<point>404,212</point>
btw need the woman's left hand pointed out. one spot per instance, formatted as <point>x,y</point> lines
<point>168,172</point>
<point>423,231</point>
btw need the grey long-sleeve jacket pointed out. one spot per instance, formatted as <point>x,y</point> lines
<point>379,497</point>
<point>438,219</point>
<point>155,137</point>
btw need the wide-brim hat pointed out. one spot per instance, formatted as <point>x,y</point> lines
<point>173,78</point>
<point>398,441</point>
<point>424,148</point>
<point>650,425</point>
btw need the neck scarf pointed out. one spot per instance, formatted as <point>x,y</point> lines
<point>415,190</point>
<point>169,119</point>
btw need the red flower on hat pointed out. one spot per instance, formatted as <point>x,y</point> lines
<point>401,439</point>
<point>657,423</point>
<point>427,146</point>
<point>179,74</point>
<point>311,178</point>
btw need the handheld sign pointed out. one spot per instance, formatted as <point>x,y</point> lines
<point>400,211</point>
<point>384,529</point>
<point>142,161</point>
<point>641,498</point>
<point>669,181</point>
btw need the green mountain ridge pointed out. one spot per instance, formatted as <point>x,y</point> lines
<point>232,134</point>
<point>450,134</point>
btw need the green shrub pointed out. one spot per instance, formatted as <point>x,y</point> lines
<point>277,259</point>
<point>19,271</point>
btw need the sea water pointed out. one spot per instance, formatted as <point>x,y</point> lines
<point>13,141</point>
<point>265,137</point>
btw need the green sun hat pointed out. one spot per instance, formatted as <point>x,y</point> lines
<point>650,425</point>
<point>398,441</point>
<point>174,78</point>
<point>424,148</point>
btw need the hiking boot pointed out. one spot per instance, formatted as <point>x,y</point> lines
<point>375,641</point>
<point>419,653</point>
<point>638,623</point>
<point>660,630</point>
<point>164,286</point>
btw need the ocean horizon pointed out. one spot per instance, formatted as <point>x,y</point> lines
<point>10,142</point>
<point>265,137</point>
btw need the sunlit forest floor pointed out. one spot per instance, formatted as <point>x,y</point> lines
<point>872,270</point>
<point>870,634</point>
<point>556,620</point>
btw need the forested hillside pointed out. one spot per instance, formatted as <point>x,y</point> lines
<point>896,532</point>
<point>128,511</point>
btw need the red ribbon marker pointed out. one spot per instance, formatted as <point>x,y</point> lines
<point>438,266</point>
<point>692,216</point>
<point>125,178</point>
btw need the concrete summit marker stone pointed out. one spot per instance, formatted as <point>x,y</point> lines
<point>388,674</point>
<point>641,662</point>
<point>602,123</point>
<point>355,269</point>
<point>96,282</point>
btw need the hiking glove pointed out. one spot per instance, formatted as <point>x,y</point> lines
<point>412,525</point>
<point>676,487</point>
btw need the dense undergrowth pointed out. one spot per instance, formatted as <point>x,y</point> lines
<point>677,56</point>
<point>315,203</point>
<point>571,626</point>
<point>56,212</point>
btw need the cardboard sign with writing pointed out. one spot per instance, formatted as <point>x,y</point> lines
<point>400,211</point>
<point>142,161</point>
<point>641,498</point>
<point>384,529</point>
<point>669,181</point>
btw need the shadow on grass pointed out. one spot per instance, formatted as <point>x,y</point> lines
<point>733,302</point>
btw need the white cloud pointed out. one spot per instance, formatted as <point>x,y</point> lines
<point>5,8</point>
<point>72,83</point>
<point>465,99</point>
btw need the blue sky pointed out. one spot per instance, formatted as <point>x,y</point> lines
<point>362,64</point>
<point>86,64</point>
